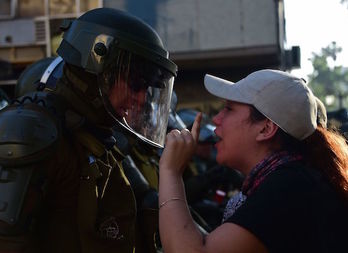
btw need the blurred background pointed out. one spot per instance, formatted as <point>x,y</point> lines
<point>227,38</point>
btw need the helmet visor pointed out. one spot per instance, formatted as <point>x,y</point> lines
<point>137,93</point>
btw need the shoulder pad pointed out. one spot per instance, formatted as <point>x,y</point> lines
<point>27,132</point>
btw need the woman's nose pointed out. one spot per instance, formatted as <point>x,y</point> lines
<point>217,118</point>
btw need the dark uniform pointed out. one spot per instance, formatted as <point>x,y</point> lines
<point>62,185</point>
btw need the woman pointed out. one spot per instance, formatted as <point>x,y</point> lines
<point>295,195</point>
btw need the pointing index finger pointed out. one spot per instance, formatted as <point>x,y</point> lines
<point>196,126</point>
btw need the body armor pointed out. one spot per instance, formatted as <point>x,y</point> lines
<point>41,125</point>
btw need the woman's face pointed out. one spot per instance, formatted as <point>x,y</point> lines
<point>236,134</point>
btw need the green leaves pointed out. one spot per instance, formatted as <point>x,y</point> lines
<point>329,79</point>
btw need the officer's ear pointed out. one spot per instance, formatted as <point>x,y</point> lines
<point>267,130</point>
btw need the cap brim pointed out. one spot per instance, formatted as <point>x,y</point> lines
<point>223,89</point>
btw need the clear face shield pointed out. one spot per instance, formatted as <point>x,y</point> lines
<point>137,94</point>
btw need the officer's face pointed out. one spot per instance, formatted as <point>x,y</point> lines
<point>125,100</point>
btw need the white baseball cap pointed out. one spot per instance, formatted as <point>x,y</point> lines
<point>283,98</point>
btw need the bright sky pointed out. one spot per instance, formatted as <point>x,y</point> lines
<point>314,24</point>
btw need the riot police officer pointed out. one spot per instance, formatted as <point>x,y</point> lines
<point>62,185</point>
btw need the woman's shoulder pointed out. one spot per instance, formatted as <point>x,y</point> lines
<point>296,173</point>
<point>300,183</point>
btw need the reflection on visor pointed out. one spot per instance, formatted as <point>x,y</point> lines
<point>137,94</point>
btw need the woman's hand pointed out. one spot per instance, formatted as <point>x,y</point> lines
<point>179,148</point>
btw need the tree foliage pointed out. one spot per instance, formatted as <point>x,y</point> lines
<point>345,2</point>
<point>329,80</point>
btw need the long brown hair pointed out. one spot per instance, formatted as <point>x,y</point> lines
<point>325,150</point>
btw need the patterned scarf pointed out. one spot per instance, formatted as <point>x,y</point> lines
<point>256,177</point>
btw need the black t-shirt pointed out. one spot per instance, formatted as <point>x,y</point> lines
<point>295,210</point>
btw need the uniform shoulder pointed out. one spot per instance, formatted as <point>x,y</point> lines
<point>28,127</point>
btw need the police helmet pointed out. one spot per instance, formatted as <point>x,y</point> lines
<point>134,73</point>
